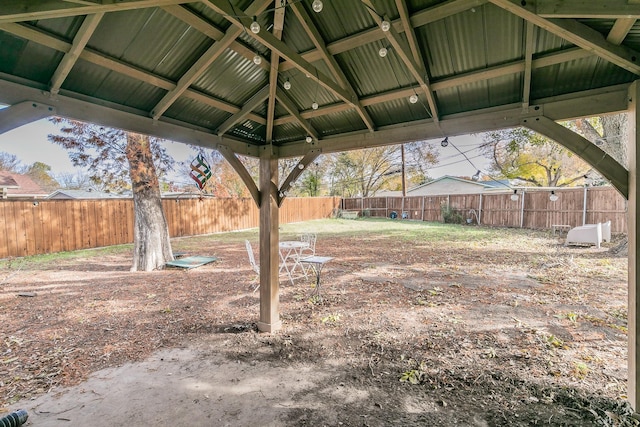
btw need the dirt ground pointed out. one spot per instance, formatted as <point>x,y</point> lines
<point>416,327</point>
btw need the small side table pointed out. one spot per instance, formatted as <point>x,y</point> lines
<point>316,262</point>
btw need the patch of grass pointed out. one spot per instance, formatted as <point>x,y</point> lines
<point>45,260</point>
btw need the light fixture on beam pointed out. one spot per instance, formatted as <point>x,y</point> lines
<point>308,139</point>
<point>383,52</point>
<point>317,6</point>
<point>413,98</point>
<point>257,59</point>
<point>300,166</point>
<point>287,84</point>
<point>385,25</point>
<point>254,27</point>
<point>314,105</point>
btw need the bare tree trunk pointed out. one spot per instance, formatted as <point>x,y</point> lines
<point>152,247</point>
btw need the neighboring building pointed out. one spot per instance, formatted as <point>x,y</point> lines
<point>454,185</point>
<point>84,194</point>
<point>18,186</point>
<point>449,185</point>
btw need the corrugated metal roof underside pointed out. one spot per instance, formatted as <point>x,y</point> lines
<point>399,110</point>
<point>27,59</point>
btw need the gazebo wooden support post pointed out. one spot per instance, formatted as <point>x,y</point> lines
<point>269,237</point>
<point>632,219</point>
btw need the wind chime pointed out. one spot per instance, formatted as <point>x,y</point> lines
<point>200,173</point>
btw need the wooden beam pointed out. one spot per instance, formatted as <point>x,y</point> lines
<point>295,173</point>
<point>288,104</point>
<point>80,107</point>
<point>19,11</point>
<point>528,65</point>
<point>278,26</point>
<point>606,165</point>
<point>334,67</point>
<point>620,30</point>
<point>241,170</point>
<point>587,9</point>
<point>578,34</point>
<point>584,104</point>
<point>253,102</point>
<point>70,58</point>
<point>269,243</point>
<point>112,64</point>
<point>23,113</point>
<point>209,30</point>
<point>633,228</point>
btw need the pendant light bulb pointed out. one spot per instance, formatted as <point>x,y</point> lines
<point>314,105</point>
<point>300,166</point>
<point>308,139</point>
<point>383,52</point>
<point>413,98</point>
<point>257,59</point>
<point>317,6</point>
<point>287,84</point>
<point>385,25</point>
<point>514,196</point>
<point>553,197</point>
<point>254,27</point>
<point>445,141</point>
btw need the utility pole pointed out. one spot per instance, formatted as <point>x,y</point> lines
<point>404,187</point>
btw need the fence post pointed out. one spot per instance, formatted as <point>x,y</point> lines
<point>479,210</point>
<point>522,210</point>
<point>423,197</point>
<point>584,207</point>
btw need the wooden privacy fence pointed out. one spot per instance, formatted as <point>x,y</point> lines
<point>532,209</point>
<point>30,228</point>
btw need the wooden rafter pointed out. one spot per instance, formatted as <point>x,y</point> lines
<point>203,63</point>
<point>587,9</point>
<point>403,51</point>
<point>20,11</point>
<point>81,39</point>
<point>578,34</point>
<point>289,105</point>
<point>241,170</point>
<point>283,50</point>
<point>620,30</point>
<point>211,31</point>
<point>118,66</point>
<point>278,26</point>
<point>340,77</point>
<point>528,65</point>
<point>306,160</point>
<point>258,98</point>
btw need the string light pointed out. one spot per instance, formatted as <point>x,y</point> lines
<point>553,197</point>
<point>385,25</point>
<point>383,52</point>
<point>308,139</point>
<point>317,6</point>
<point>257,59</point>
<point>476,176</point>
<point>413,98</point>
<point>254,27</point>
<point>514,196</point>
<point>287,84</point>
<point>445,141</point>
<point>314,105</point>
<point>300,166</point>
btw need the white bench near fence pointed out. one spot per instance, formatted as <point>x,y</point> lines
<point>589,234</point>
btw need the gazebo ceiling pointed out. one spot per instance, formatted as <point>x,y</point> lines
<point>189,71</point>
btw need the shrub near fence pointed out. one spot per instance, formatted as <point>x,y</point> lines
<point>46,226</point>
<point>533,209</point>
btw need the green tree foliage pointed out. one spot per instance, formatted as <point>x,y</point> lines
<point>102,153</point>
<point>41,174</point>
<point>521,154</point>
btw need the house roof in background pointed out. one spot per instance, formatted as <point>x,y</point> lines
<point>18,185</point>
<point>84,194</point>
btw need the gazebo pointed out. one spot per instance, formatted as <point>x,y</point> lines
<point>279,79</point>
